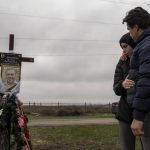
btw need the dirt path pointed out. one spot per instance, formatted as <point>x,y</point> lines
<point>57,122</point>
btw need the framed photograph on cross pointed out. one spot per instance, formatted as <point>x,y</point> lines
<point>11,76</point>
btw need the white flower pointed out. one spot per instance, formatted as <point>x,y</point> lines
<point>1,110</point>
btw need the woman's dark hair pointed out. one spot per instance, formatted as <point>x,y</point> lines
<point>126,38</point>
<point>137,16</point>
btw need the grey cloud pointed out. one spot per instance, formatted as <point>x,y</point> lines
<point>68,69</point>
<point>70,91</point>
<point>89,77</point>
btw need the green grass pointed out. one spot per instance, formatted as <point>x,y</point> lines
<point>94,115</point>
<point>96,137</point>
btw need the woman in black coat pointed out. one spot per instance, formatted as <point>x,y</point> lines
<point>120,86</point>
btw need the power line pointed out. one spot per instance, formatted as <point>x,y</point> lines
<point>71,55</point>
<point>122,3</point>
<point>72,20</point>
<point>52,39</point>
<point>55,18</point>
<point>75,40</point>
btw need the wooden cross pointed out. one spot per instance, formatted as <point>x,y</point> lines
<point>11,57</point>
<point>11,50</point>
<point>7,60</point>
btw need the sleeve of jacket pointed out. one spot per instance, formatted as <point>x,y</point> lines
<point>141,103</point>
<point>118,79</point>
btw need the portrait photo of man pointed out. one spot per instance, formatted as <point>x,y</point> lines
<point>11,79</point>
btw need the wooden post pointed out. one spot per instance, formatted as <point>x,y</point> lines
<point>58,105</point>
<point>40,107</point>
<point>29,108</point>
<point>11,49</point>
<point>85,107</point>
<point>11,43</point>
<point>109,107</point>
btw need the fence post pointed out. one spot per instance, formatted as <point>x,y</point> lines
<point>85,107</point>
<point>109,107</point>
<point>29,108</point>
<point>40,107</point>
<point>58,105</point>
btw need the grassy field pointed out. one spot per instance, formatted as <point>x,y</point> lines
<point>96,137</point>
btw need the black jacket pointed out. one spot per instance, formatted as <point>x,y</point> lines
<point>124,111</point>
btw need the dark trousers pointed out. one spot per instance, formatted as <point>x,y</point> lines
<point>146,137</point>
<point>127,139</point>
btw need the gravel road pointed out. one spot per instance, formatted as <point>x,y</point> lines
<point>59,122</point>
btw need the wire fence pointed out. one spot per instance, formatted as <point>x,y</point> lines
<point>65,108</point>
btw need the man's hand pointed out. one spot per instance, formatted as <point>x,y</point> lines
<point>137,127</point>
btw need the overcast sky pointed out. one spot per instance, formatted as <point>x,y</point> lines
<point>74,43</point>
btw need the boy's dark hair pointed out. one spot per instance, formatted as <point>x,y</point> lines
<point>137,16</point>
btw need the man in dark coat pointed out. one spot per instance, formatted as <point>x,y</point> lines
<point>138,24</point>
